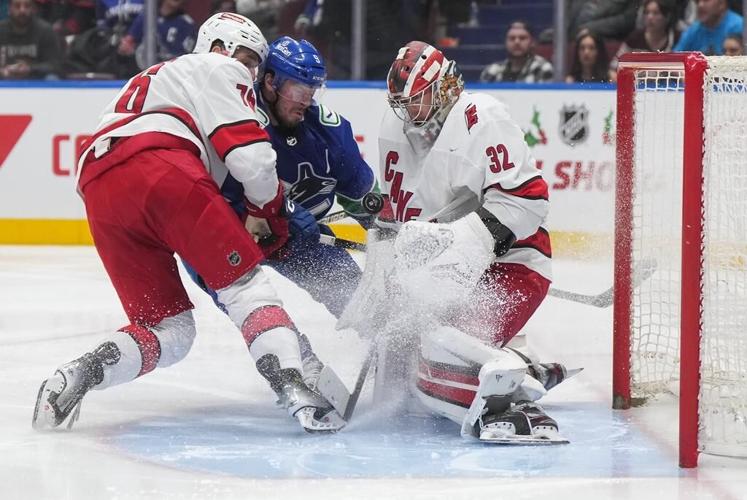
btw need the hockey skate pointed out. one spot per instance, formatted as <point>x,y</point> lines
<point>312,369</point>
<point>551,374</point>
<point>61,395</point>
<point>525,423</point>
<point>548,374</point>
<point>314,413</point>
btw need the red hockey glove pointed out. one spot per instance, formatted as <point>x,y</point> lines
<point>269,224</point>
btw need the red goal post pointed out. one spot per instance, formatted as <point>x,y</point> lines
<point>681,202</point>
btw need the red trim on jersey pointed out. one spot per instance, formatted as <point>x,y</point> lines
<point>539,241</point>
<point>445,374</point>
<point>229,136</point>
<point>451,395</point>
<point>532,189</point>
<point>264,319</point>
<point>122,148</point>
<point>177,113</point>
<point>147,343</point>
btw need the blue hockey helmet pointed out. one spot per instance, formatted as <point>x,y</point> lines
<point>295,60</point>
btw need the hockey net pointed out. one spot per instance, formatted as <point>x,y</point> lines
<point>681,205</point>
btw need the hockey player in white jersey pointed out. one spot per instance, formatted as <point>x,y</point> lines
<point>468,205</point>
<point>150,179</point>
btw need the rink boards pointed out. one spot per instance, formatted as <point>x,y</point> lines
<point>570,130</point>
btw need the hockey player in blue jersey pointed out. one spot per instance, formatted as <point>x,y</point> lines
<point>317,161</point>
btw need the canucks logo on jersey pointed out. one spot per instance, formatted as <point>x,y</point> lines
<point>309,189</point>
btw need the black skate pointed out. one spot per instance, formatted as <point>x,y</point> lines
<point>62,394</point>
<point>525,423</point>
<point>314,413</point>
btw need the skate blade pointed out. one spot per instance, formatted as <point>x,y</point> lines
<point>570,372</point>
<point>331,422</point>
<point>45,417</point>
<point>520,440</point>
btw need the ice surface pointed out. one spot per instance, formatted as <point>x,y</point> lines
<point>207,427</point>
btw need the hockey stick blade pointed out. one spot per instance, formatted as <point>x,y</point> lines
<point>333,389</point>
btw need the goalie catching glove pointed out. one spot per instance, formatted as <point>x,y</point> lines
<point>441,263</point>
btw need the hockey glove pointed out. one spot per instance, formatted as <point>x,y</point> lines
<point>302,224</point>
<point>269,224</point>
<point>439,264</point>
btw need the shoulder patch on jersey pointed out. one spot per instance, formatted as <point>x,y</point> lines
<point>328,117</point>
<point>470,116</point>
<point>262,117</point>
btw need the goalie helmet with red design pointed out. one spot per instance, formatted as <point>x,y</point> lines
<point>421,82</point>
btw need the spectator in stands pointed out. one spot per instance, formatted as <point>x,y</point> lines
<point>68,17</point>
<point>28,46</point>
<point>590,61</point>
<point>606,18</point>
<point>175,36</point>
<point>707,34</point>
<point>118,14</point>
<point>223,6</point>
<point>522,64</point>
<point>390,24</point>
<point>733,45</point>
<point>659,32</point>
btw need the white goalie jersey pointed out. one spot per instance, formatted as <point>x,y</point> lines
<point>479,159</point>
<point>207,99</point>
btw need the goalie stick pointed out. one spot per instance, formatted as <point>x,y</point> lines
<point>642,272</point>
<point>602,300</point>
<point>333,389</point>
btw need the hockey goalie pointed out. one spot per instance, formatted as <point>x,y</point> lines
<point>460,260</point>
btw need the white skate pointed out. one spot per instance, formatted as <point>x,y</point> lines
<point>313,411</point>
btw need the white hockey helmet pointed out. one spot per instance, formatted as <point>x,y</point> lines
<point>233,30</point>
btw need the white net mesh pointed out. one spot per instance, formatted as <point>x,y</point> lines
<point>657,229</point>
<point>723,387</point>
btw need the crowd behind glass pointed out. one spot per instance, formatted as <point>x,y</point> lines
<point>103,39</point>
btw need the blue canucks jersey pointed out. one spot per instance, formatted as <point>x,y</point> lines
<point>316,161</point>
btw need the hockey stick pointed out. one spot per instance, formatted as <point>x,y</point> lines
<point>333,389</point>
<point>333,217</point>
<point>601,300</point>
<point>353,401</point>
<point>643,271</point>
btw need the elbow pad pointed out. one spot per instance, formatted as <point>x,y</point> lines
<point>503,236</point>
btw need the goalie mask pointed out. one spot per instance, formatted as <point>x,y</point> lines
<point>422,84</point>
<point>234,30</point>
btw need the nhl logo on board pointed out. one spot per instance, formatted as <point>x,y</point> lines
<point>574,124</point>
<point>234,258</point>
<point>291,140</point>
